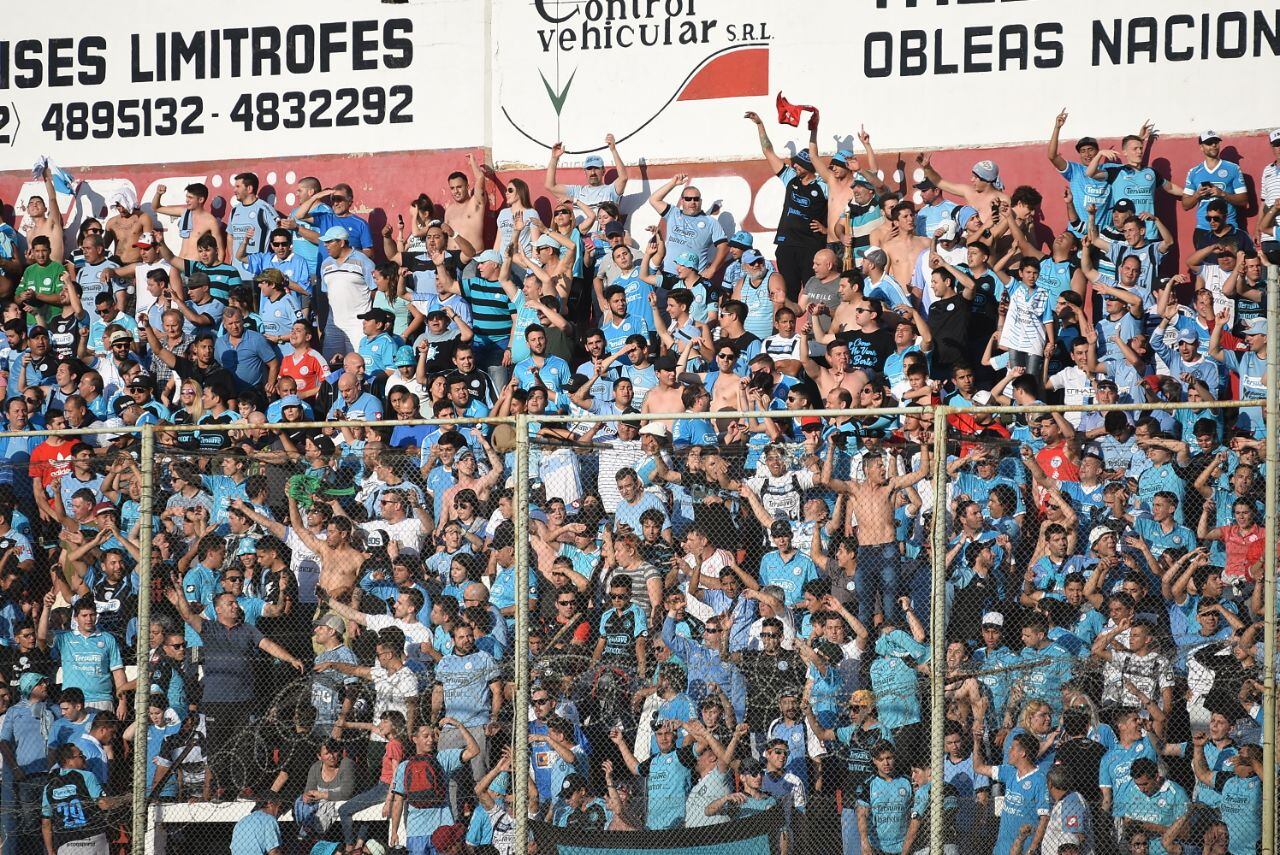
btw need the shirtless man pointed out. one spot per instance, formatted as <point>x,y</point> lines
<point>982,192</point>
<point>665,397</point>
<point>872,501</point>
<point>45,218</point>
<point>902,245</point>
<point>195,222</point>
<point>838,375</point>
<point>838,173</point>
<point>843,317</point>
<point>340,562</point>
<point>125,228</point>
<point>465,212</point>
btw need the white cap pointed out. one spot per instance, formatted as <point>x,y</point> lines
<point>1097,533</point>
<point>993,619</point>
<point>1275,137</point>
<point>1207,135</point>
<point>981,398</point>
<point>656,429</point>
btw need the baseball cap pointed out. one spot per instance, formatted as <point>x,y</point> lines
<point>1187,336</point>
<point>142,381</point>
<point>121,335</point>
<point>1207,136</point>
<point>290,401</point>
<point>549,242</point>
<point>842,156</point>
<point>993,619</point>
<point>334,622</point>
<point>405,357</point>
<point>375,538</point>
<point>122,402</point>
<point>656,429</point>
<point>807,422</point>
<point>335,233</point>
<point>380,315</point>
<point>573,782</point>
<point>275,277</point>
<point>1124,206</point>
<point>614,229</point>
<point>116,422</point>
<point>103,508</point>
<point>248,546</point>
<point>1257,326</point>
<point>751,257</point>
<point>750,766</point>
<point>859,178</point>
<point>876,256</point>
<point>593,161</point>
<point>780,528</point>
<point>1097,533</point>
<point>924,184</point>
<point>489,255</point>
<point>146,240</point>
<point>1275,137</point>
<point>688,259</point>
<point>742,240</point>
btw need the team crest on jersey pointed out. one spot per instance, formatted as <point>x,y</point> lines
<point>1222,173</point>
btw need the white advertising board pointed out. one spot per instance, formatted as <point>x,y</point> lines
<point>154,81</point>
<point>671,78</point>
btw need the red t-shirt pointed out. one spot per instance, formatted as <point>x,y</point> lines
<point>1056,464</point>
<point>51,460</point>
<point>1244,549</point>
<point>390,760</point>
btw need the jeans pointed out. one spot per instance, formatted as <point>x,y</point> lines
<point>29,793</point>
<point>375,795</point>
<point>849,831</point>
<point>1033,362</point>
<point>878,581</point>
<point>489,359</point>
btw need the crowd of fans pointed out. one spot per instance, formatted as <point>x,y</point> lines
<point>730,614</point>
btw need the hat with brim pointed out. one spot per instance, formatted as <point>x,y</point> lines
<point>335,233</point>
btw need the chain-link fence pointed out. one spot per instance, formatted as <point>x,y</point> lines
<point>787,640</point>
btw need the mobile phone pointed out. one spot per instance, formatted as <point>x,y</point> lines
<point>400,217</point>
<point>1205,185</point>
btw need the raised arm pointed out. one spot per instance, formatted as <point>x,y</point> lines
<point>658,199</point>
<point>766,147</point>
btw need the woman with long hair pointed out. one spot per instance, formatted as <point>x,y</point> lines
<point>517,203</point>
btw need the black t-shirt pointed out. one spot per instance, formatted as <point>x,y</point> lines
<point>868,350</point>
<point>204,376</point>
<point>949,324</point>
<point>63,332</point>
<point>801,204</point>
<point>1080,759</point>
<point>14,663</point>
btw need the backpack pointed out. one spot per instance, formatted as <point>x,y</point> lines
<point>425,783</point>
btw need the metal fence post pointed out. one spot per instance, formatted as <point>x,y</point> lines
<point>142,690</point>
<point>937,626</point>
<point>520,715</point>
<point>1268,771</point>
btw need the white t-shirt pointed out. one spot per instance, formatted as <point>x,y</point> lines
<point>415,632</point>
<point>305,565</point>
<point>407,533</point>
<point>391,691</point>
<point>1077,389</point>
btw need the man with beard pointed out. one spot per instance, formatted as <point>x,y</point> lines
<point>595,190</point>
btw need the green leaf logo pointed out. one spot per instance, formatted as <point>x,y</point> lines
<point>557,99</point>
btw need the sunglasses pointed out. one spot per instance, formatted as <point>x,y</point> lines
<point>564,602</point>
<point>93,231</point>
<point>540,701</point>
<point>619,597</point>
<point>691,198</point>
<point>724,356</point>
<point>280,244</point>
<point>178,646</point>
<point>770,635</point>
<point>233,578</point>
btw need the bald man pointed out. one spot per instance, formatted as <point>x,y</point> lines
<point>689,229</point>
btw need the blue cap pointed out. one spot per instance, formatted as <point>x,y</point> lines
<point>859,178</point>
<point>27,683</point>
<point>842,157</point>
<point>290,401</point>
<point>593,161</point>
<point>751,257</point>
<point>489,255</point>
<point>501,785</point>
<point>964,214</point>
<point>405,357</point>
<point>248,546</point>
<point>689,259</point>
<point>549,242</point>
<point>742,240</point>
<point>335,233</point>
